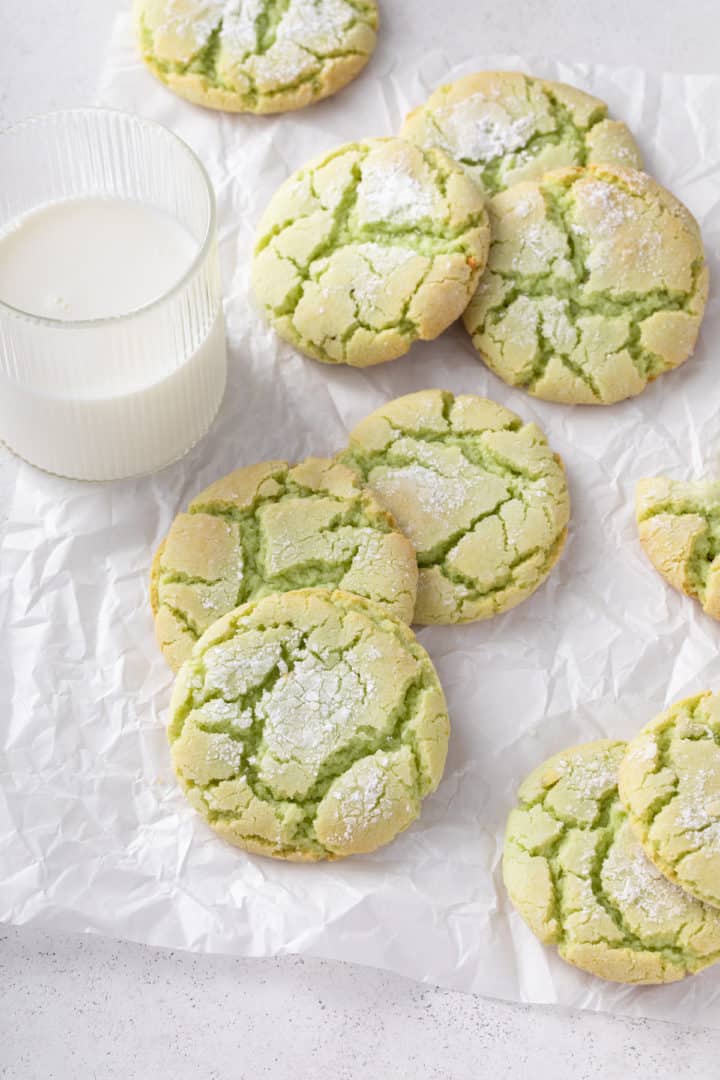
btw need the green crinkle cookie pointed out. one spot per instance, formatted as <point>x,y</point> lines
<point>369,248</point>
<point>259,56</point>
<point>309,725</point>
<point>577,874</point>
<point>506,127</point>
<point>596,284</point>
<point>273,527</point>
<point>679,528</point>
<point>670,783</point>
<point>480,494</point>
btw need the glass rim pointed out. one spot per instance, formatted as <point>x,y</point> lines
<point>199,258</point>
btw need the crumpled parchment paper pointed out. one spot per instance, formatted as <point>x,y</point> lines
<point>94,833</point>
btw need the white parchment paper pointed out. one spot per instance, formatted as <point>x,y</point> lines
<point>95,835</point>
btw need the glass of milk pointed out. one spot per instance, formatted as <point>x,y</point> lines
<point>112,342</point>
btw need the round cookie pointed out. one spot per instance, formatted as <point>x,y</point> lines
<point>480,494</point>
<point>596,283</point>
<point>577,875</point>
<point>309,725</point>
<point>506,127</point>
<point>273,527</point>
<point>670,784</point>
<point>256,56</point>
<point>369,248</point>
<point>679,527</point>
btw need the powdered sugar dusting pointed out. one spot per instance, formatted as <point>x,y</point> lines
<point>367,805</point>
<point>637,888</point>
<point>218,711</point>
<point>238,31</point>
<point>225,750</point>
<point>282,65</point>
<point>697,809</point>
<point>304,32</point>
<point>430,491</point>
<point>191,23</point>
<point>318,25</point>
<point>310,714</point>
<point>389,193</point>
<point>369,285</point>
<point>232,670</point>
<point>477,130</point>
<point>611,207</point>
<point>590,778</point>
<point>643,751</point>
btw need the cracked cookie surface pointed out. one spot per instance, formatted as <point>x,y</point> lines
<point>308,725</point>
<point>369,248</point>
<point>274,527</point>
<point>596,283</point>
<point>670,783</point>
<point>506,127</point>
<point>480,494</point>
<point>260,56</point>
<point>578,876</point>
<point>679,527</point>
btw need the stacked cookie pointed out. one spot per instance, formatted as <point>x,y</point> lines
<point>613,853</point>
<point>579,280</point>
<point>306,720</point>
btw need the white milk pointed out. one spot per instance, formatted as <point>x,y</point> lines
<point>114,398</point>
<point>92,258</point>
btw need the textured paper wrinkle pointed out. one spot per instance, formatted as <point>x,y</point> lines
<point>94,832</point>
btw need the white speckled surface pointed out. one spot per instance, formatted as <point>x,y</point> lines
<point>82,1007</point>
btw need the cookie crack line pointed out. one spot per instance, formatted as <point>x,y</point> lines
<point>444,241</point>
<point>485,458</point>
<point>501,150</point>
<point>223,70</point>
<point>564,121</point>
<point>694,820</point>
<point>362,746</point>
<point>685,556</point>
<point>368,249</point>
<point>567,284</point>
<point>481,496</point>
<point>245,715</point>
<point>602,827</point>
<point>351,538</point>
<point>367,462</point>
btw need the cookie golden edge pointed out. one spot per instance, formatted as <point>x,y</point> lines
<point>525,874</point>
<point>350,601</point>
<point>669,541</point>
<point>641,750</point>
<point>175,655</point>
<point>334,76</point>
<point>617,142</point>
<point>439,300</point>
<point>679,340</point>
<point>435,614</point>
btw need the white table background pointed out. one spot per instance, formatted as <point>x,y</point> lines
<point>81,1007</point>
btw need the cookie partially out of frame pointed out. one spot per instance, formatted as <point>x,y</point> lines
<point>578,876</point>
<point>309,725</point>
<point>596,284</point>
<point>670,784</point>
<point>369,248</point>
<point>256,56</point>
<point>679,527</point>
<point>274,527</point>
<point>506,127</point>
